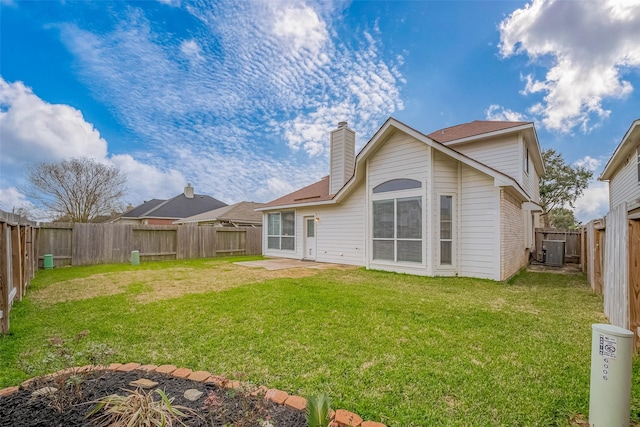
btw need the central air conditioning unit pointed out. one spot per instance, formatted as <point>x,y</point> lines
<point>553,252</point>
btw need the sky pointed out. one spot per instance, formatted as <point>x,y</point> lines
<point>238,97</point>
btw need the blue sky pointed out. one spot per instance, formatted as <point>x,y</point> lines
<point>238,97</point>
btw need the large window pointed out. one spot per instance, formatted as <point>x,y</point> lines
<point>446,230</point>
<point>281,231</point>
<point>397,229</point>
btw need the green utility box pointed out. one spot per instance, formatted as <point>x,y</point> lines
<point>48,261</point>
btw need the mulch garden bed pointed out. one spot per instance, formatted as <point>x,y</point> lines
<point>217,406</point>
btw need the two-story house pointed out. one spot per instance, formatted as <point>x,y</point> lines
<point>460,201</point>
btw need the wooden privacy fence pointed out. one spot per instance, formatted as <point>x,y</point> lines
<point>613,266</point>
<point>88,244</point>
<point>572,252</point>
<point>18,257</point>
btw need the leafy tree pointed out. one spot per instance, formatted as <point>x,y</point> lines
<point>78,189</point>
<point>562,184</point>
<point>562,218</point>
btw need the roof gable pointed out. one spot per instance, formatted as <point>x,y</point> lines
<point>319,192</point>
<point>630,138</point>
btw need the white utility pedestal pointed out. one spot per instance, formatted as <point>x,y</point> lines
<point>610,393</point>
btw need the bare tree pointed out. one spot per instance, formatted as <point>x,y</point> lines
<point>77,189</point>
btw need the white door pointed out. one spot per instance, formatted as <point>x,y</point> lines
<point>310,238</point>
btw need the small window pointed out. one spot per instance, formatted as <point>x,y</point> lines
<point>397,185</point>
<point>638,161</point>
<point>526,160</point>
<point>446,230</point>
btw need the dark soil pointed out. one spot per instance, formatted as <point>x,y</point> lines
<point>226,407</point>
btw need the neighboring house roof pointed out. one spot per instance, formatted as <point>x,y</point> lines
<point>177,207</point>
<point>142,209</point>
<point>318,193</point>
<point>624,149</point>
<point>472,129</point>
<point>243,212</point>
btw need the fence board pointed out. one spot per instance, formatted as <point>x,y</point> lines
<point>615,288</point>
<point>86,244</point>
<point>56,239</point>
<point>634,280</point>
<point>572,247</point>
<point>6,282</point>
<point>18,255</point>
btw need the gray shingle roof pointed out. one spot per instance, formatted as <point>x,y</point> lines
<point>177,207</point>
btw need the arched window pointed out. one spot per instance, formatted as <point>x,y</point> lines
<point>397,185</point>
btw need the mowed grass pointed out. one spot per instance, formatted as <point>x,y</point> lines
<point>403,350</point>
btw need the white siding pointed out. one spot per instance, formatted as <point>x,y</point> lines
<point>502,154</point>
<point>624,186</point>
<point>530,180</point>
<point>480,226</point>
<point>399,157</point>
<point>340,230</point>
<point>403,156</point>
<point>445,179</point>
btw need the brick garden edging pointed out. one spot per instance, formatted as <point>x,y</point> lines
<point>340,417</point>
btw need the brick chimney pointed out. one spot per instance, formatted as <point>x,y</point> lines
<point>341,157</point>
<point>188,191</point>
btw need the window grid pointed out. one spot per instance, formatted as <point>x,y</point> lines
<point>446,230</point>
<point>397,230</point>
<point>281,230</point>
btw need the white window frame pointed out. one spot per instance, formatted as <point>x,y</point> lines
<point>395,196</point>
<point>271,234</point>
<point>440,239</point>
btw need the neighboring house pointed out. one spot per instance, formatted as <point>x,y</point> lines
<point>241,214</point>
<point>621,261</point>
<point>623,172</point>
<point>461,201</point>
<point>165,212</point>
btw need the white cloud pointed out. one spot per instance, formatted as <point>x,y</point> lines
<point>258,113</point>
<point>172,3</point>
<point>590,46</point>
<point>11,198</point>
<point>33,130</point>
<point>589,163</point>
<point>498,112</point>
<point>192,50</point>
<point>594,202</point>
<point>300,26</point>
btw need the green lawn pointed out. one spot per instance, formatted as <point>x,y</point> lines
<point>403,350</point>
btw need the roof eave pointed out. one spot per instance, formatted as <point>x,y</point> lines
<point>620,153</point>
<point>489,134</point>
<point>296,205</point>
